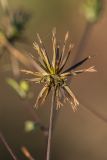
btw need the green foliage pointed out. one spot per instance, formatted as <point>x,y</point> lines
<point>92,9</point>
<point>30,126</point>
<point>22,88</point>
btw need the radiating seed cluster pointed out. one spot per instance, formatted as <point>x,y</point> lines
<point>52,74</point>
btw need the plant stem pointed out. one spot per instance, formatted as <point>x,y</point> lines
<point>7,147</point>
<point>50,127</point>
<point>20,56</point>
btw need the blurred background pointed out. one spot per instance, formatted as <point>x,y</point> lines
<point>76,136</point>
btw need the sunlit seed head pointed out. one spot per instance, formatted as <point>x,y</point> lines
<point>54,74</point>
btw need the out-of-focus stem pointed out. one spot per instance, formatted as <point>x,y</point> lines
<point>7,147</point>
<point>15,66</point>
<point>27,61</point>
<point>21,57</point>
<point>50,127</point>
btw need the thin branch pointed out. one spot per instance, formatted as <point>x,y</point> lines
<point>50,127</point>
<point>20,56</point>
<point>7,147</point>
<point>26,60</point>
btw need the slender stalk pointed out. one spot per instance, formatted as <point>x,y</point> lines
<point>50,127</point>
<point>20,56</point>
<point>7,147</point>
<point>16,53</point>
<point>55,117</point>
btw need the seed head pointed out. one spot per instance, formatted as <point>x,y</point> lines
<point>52,74</point>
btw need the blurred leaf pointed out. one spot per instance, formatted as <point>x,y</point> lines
<point>92,9</point>
<point>30,126</point>
<point>21,88</point>
<point>24,86</point>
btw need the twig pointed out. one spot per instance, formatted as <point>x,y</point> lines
<point>20,56</point>
<point>7,147</point>
<point>50,127</point>
<point>26,60</point>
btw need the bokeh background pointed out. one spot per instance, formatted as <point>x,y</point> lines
<point>77,136</point>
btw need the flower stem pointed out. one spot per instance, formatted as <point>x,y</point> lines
<point>8,147</point>
<point>50,127</point>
